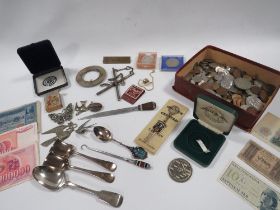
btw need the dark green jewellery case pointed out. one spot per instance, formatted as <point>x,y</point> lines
<point>203,137</point>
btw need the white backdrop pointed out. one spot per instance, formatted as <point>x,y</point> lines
<point>82,32</point>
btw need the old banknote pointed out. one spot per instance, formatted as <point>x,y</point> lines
<point>18,138</point>
<point>262,161</point>
<point>20,116</point>
<point>250,188</point>
<point>268,130</point>
<point>16,166</point>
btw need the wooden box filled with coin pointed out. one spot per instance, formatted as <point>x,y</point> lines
<point>242,84</point>
<point>203,137</point>
<point>42,61</point>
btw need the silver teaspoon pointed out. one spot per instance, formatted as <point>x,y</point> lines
<point>105,135</point>
<point>55,179</point>
<point>63,164</point>
<point>67,150</point>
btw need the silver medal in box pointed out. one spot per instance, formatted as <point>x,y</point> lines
<point>42,61</point>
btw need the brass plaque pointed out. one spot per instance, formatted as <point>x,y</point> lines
<point>116,59</point>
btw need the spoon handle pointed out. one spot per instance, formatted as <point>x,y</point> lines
<point>108,177</point>
<point>113,199</point>
<point>105,164</point>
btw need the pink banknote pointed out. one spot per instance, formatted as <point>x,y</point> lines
<point>8,141</point>
<point>18,138</point>
<point>17,166</point>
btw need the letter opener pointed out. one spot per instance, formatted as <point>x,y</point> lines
<point>141,107</point>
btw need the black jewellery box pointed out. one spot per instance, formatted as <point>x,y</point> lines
<point>42,61</point>
<point>203,137</point>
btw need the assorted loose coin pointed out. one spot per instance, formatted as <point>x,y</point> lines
<point>180,170</point>
<point>232,84</point>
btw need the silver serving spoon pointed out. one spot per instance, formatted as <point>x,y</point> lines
<point>63,164</point>
<point>67,150</point>
<point>105,135</point>
<point>55,179</point>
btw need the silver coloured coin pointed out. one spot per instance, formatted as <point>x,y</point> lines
<point>242,83</point>
<point>180,170</point>
<point>255,102</point>
<point>227,81</point>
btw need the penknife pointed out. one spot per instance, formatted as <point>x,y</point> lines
<point>141,107</point>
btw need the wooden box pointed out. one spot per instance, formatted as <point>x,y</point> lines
<point>246,120</point>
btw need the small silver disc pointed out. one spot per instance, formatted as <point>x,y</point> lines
<point>255,102</point>
<point>180,170</point>
<point>227,81</point>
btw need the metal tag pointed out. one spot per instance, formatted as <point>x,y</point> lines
<point>116,59</point>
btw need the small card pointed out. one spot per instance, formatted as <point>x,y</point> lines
<point>268,130</point>
<point>160,127</point>
<point>116,59</point>
<point>171,63</point>
<point>262,161</point>
<point>53,101</point>
<point>147,60</point>
<point>132,94</point>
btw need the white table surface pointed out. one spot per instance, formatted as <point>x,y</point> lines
<point>82,32</point>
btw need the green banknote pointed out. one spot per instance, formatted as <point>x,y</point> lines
<point>250,188</point>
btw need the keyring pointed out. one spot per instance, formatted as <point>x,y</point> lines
<point>91,83</point>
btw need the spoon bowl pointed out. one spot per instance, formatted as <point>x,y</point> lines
<point>102,133</point>
<point>62,149</point>
<point>49,177</point>
<point>64,164</point>
<point>105,135</point>
<point>55,179</point>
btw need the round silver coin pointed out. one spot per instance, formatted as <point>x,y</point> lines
<point>227,81</point>
<point>255,102</point>
<point>180,170</point>
<point>242,83</point>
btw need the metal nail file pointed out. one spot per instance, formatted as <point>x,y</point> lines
<point>141,107</point>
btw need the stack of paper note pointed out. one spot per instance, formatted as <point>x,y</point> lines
<point>19,140</point>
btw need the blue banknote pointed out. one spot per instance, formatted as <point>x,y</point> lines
<point>20,116</point>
